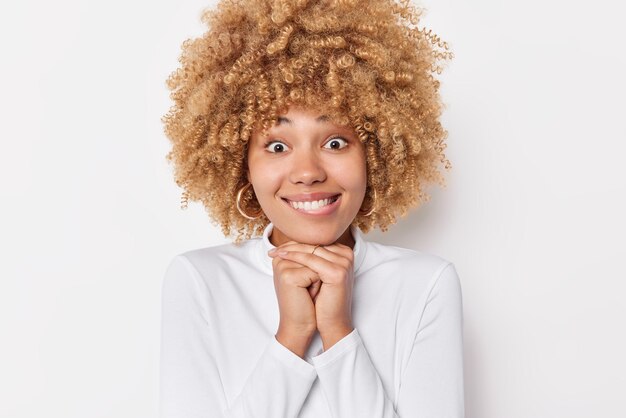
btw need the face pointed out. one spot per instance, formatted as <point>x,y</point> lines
<point>309,176</point>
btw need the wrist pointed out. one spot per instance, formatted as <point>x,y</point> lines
<point>335,328</point>
<point>296,342</point>
<point>331,336</point>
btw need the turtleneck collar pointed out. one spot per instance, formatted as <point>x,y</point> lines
<point>264,245</point>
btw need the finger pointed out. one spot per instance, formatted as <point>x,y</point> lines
<point>333,256</point>
<point>294,246</point>
<point>285,244</point>
<point>341,249</point>
<point>291,245</point>
<point>314,289</point>
<point>338,254</point>
<point>300,276</point>
<point>281,267</point>
<point>281,264</point>
<point>327,270</point>
<point>317,294</point>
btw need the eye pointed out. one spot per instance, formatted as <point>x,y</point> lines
<point>275,146</point>
<point>336,143</point>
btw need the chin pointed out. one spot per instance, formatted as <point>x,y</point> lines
<point>317,236</point>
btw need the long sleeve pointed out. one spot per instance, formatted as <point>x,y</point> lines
<point>350,382</point>
<point>190,382</point>
<point>431,385</point>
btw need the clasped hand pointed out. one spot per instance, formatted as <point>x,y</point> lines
<point>314,289</point>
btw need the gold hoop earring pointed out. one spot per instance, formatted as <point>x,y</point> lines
<point>245,215</point>
<point>373,206</point>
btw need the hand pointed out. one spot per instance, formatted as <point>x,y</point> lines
<point>297,310</point>
<point>334,266</point>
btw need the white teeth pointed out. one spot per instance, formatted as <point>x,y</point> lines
<point>310,205</point>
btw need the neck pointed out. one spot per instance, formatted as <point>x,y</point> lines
<point>277,238</point>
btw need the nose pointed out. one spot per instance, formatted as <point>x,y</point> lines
<point>307,168</point>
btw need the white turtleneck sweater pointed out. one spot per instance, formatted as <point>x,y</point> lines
<point>220,357</point>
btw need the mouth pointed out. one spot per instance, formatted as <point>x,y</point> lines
<point>315,207</point>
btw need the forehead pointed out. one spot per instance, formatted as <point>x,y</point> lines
<point>282,120</point>
<point>298,117</point>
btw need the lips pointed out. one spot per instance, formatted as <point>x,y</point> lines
<point>309,197</point>
<point>313,203</point>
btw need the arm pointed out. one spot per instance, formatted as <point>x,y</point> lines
<point>350,382</point>
<point>432,382</point>
<point>190,381</point>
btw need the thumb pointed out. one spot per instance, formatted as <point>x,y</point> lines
<point>314,289</point>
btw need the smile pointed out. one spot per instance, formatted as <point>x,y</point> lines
<point>315,207</point>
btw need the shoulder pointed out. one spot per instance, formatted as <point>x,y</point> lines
<point>209,259</point>
<point>388,256</point>
<point>410,268</point>
<point>197,264</point>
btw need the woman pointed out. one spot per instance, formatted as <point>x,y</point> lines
<point>309,124</point>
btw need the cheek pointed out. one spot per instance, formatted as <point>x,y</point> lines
<point>352,174</point>
<point>265,179</point>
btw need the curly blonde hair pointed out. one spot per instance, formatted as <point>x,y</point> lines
<point>366,64</point>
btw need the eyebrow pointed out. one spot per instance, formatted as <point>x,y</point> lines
<point>282,119</point>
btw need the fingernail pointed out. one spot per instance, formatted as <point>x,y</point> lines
<point>273,250</point>
<point>282,253</point>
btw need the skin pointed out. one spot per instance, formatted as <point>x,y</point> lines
<point>303,156</point>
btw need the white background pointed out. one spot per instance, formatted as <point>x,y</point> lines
<point>533,215</point>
